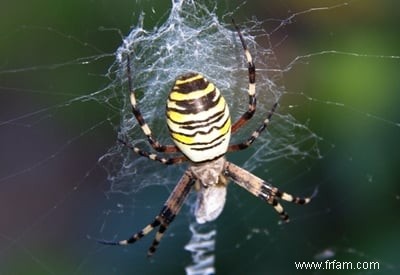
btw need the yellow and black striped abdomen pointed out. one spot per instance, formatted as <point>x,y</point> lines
<point>198,118</point>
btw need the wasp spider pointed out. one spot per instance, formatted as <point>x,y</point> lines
<point>200,125</point>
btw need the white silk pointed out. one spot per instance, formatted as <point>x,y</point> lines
<point>210,203</point>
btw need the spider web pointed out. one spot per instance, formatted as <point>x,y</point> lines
<point>336,127</point>
<point>193,31</point>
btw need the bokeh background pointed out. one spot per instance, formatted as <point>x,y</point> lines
<point>54,193</point>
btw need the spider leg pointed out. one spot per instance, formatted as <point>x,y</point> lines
<point>167,214</point>
<point>139,117</point>
<point>255,134</point>
<point>263,189</point>
<point>152,156</point>
<point>252,84</point>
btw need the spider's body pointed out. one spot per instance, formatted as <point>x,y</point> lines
<point>200,125</point>
<point>198,118</point>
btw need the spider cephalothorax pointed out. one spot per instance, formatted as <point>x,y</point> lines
<point>211,187</point>
<point>200,125</point>
<point>208,173</point>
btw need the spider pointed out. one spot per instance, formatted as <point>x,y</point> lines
<point>199,123</point>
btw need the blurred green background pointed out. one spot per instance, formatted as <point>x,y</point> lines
<point>53,193</point>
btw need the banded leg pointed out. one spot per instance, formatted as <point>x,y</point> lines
<point>164,218</point>
<point>139,117</point>
<point>252,85</point>
<point>263,189</point>
<point>255,134</point>
<point>152,156</point>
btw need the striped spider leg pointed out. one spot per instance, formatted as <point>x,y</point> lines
<point>251,91</point>
<point>252,101</point>
<point>255,134</point>
<point>262,189</point>
<point>147,131</point>
<point>152,156</point>
<point>140,119</point>
<point>167,214</point>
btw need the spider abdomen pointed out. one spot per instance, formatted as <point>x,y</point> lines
<point>198,118</point>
